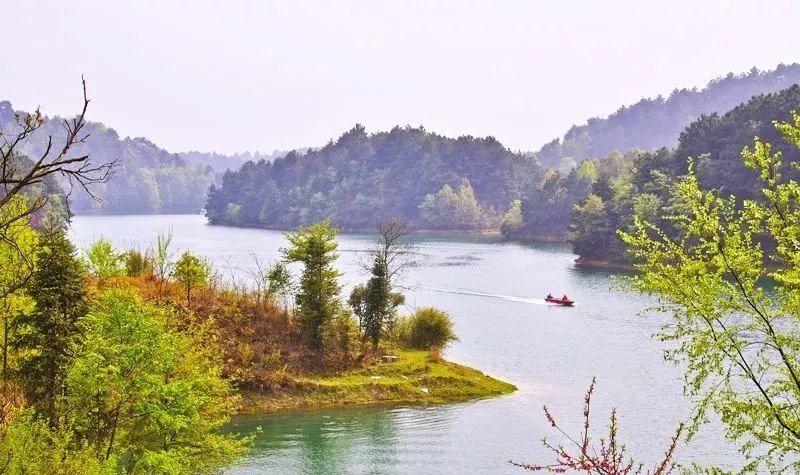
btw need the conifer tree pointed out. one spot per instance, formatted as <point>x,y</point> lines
<point>318,296</point>
<point>46,337</point>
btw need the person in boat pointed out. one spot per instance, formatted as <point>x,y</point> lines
<point>549,296</point>
<point>565,298</point>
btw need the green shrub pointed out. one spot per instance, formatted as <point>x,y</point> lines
<point>341,333</point>
<point>427,329</point>
<point>137,264</point>
<point>28,446</point>
<point>102,260</point>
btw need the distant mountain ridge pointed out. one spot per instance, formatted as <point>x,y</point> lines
<point>148,178</point>
<point>642,186</point>
<point>468,183</point>
<point>653,123</point>
<point>220,163</point>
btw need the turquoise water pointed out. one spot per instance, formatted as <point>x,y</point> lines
<point>494,292</point>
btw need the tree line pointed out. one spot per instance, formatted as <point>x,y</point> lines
<point>435,182</point>
<point>426,179</point>
<point>591,202</point>
<point>147,178</point>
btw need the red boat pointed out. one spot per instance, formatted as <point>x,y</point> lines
<point>566,303</point>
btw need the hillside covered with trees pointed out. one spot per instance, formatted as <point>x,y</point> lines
<point>641,185</point>
<point>466,183</point>
<point>657,122</point>
<point>432,181</point>
<point>146,179</point>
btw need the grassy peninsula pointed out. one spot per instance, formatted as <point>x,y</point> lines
<point>416,377</point>
<point>290,343</point>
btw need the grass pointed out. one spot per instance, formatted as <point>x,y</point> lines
<point>417,377</point>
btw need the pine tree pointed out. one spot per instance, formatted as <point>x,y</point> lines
<point>376,303</point>
<point>46,337</point>
<point>318,295</point>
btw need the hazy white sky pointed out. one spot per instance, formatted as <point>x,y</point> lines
<point>234,76</point>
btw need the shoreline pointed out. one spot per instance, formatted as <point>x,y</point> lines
<point>467,232</point>
<point>415,378</point>
<point>603,264</point>
<point>487,232</point>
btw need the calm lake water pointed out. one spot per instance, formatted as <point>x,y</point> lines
<point>493,291</point>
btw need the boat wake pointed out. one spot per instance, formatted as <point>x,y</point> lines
<point>508,298</point>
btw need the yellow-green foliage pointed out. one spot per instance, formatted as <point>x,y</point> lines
<point>426,329</point>
<point>147,394</point>
<point>736,332</point>
<point>102,261</point>
<point>191,271</point>
<point>29,447</point>
<point>416,377</point>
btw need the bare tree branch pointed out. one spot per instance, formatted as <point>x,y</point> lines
<point>19,175</point>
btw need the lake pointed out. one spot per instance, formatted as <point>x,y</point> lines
<point>493,291</point>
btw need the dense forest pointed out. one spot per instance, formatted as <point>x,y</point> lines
<point>437,182</point>
<point>653,123</point>
<point>641,184</point>
<point>434,181</point>
<point>430,180</point>
<point>147,179</point>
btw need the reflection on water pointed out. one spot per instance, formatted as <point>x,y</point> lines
<point>363,440</point>
<point>494,295</point>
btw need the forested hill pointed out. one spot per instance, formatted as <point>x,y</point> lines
<point>653,123</point>
<point>148,179</point>
<point>430,180</point>
<point>641,184</point>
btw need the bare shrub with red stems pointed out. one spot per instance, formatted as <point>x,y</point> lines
<point>606,458</point>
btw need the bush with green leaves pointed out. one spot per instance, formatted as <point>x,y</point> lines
<point>150,396</point>
<point>341,333</point>
<point>426,329</point>
<point>102,261</point>
<point>28,446</point>
<point>138,264</point>
<point>191,271</point>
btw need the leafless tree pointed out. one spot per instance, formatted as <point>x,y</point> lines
<point>20,175</point>
<point>392,249</point>
<point>56,159</point>
<point>375,303</point>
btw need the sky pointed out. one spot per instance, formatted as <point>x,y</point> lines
<point>235,76</point>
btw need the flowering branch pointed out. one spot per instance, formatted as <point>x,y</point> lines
<point>607,458</point>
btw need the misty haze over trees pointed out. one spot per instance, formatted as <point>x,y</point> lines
<point>641,184</point>
<point>469,183</point>
<point>425,178</point>
<point>653,123</point>
<point>433,181</point>
<point>148,179</point>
